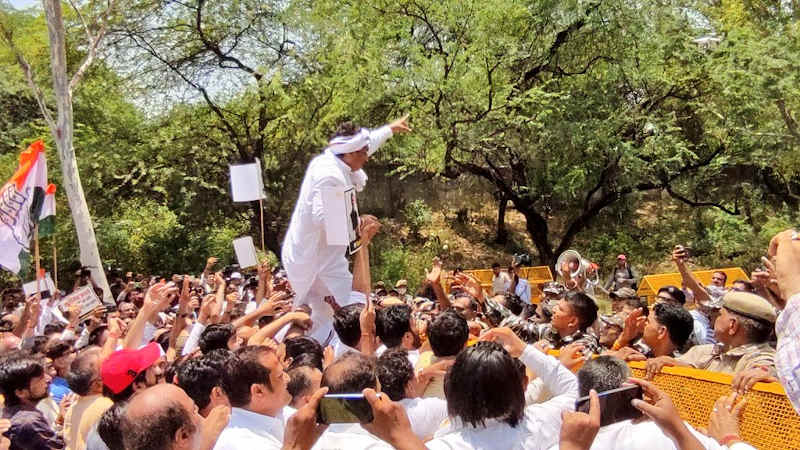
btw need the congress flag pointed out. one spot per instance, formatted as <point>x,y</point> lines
<point>21,202</point>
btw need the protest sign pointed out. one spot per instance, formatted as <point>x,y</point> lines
<point>85,298</point>
<point>46,287</point>
<point>340,210</point>
<point>245,251</point>
<point>246,182</point>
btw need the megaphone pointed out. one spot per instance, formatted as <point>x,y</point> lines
<point>578,266</point>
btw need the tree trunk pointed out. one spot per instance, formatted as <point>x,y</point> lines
<point>502,233</point>
<point>62,134</point>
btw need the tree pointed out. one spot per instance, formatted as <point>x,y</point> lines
<point>61,126</point>
<point>239,59</point>
<point>568,108</point>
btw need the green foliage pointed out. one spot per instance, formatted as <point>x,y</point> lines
<point>417,215</point>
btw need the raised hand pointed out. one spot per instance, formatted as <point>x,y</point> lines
<point>435,274</point>
<point>302,430</point>
<point>579,429</point>
<point>213,425</point>
<point>400,125</point>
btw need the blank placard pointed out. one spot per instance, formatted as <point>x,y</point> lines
<point>335,211</point>
<point>246,182</point>
<point>245,251</point>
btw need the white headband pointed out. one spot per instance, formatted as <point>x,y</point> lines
<point>348,144</point>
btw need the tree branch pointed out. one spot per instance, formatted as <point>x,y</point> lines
<point>29,76</point>
<point>677,196</point>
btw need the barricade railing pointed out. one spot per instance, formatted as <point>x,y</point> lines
<point>768,422</point>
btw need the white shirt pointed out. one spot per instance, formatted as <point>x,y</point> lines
<point>348,436</point>
<point>306,254</point>
<point>425,415</point>
<point>500,283</point>
<point>540,425</point>
<point>250,430</point>
<point>647,436</point>
<point>523,290</point>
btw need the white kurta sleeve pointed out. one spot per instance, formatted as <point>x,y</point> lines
<point>378,137</point>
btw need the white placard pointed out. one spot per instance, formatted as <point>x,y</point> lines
<point>245,252</point>
<point>86,298</point>
<point>246,182</point>
<point>45,285</point>
<point>335,213</point>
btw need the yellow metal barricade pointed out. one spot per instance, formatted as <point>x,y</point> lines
<point>768,422</point>
<point>650,284</point>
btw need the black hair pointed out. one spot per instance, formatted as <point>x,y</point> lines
<point>109,425</point>
<point>351,372</point>
<point>346,128</point>
<point>243,371</point>
<point>495,265</point>
<point>215,336</point>
<point>346,323</point>
<point>199,376</point>
<point>394,373</point>
<point>514,304</point>
<point>602,374</point>
<point>35,345</point>
<point>636,302</point>
<point>298,345</point>
<point>16,372</point>
<point>53,328</point>
<point>484,384</point>
<point>157,429</point>
<point>678,321</point>
<point>82,370</point>
<point>307,360</point>
<point>448,333</point>
<point>299,380</point>
<point>675,293</point>
<point>94,336</point>
<point>583,307</point>
<point>392,323</point>
<point>57,349</point>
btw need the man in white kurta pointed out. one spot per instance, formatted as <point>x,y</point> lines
<point>316,269</point>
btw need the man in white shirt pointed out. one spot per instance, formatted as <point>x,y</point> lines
<point>316,269</point>
<point>396,328</point>
<point>351,373</point>
<point>605,373</point>
<point>500,280</point>
<point>485,413</point>
<point>255,383</point>
<point>397,379</point>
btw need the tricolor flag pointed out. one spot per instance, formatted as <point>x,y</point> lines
<point>47,216</point>
<point>21,203</point>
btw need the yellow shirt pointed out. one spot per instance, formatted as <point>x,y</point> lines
<point>81,417</point>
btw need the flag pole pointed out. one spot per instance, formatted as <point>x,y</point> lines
<point>261,210</point>
<point>55,262</point>
<point>36,255</point>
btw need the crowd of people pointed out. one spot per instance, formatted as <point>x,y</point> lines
<point>224,361</point>
<point>230,360</point>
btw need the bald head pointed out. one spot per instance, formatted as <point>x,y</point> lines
<point>160,417</point>
<point>352,372</point>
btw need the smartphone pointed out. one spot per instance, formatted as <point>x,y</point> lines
<point>344,408</point>
<point>615,405</point>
